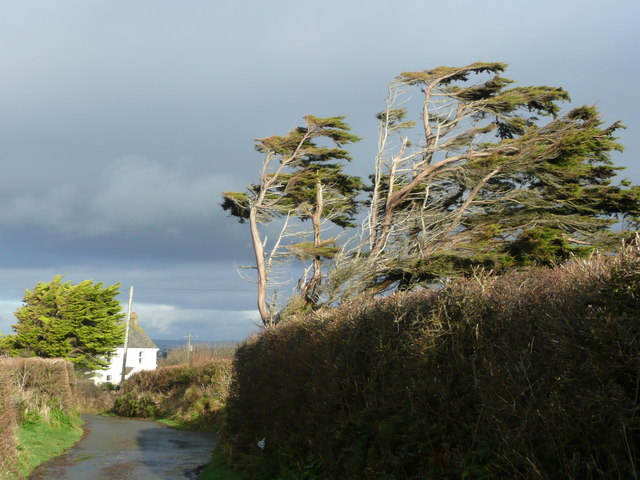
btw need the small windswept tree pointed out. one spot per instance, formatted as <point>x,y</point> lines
<point>301,177</point>
<point>61,320</point>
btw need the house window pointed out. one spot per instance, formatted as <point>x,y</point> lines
<point>108,378</point>
<point>139,357</point>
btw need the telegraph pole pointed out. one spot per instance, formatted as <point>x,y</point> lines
<point>126,336</point>
<point>188,337</point>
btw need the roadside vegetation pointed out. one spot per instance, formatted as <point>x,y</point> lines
<point>530,375</point>
<point>39,416</point>
<point>189,390</point>
<point>218,470</point>
<point>41,439</point>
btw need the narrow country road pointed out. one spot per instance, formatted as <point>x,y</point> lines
<point>123,449</point>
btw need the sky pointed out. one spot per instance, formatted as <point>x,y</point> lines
<point>121,122</point>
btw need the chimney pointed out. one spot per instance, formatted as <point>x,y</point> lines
<point>134,318</point>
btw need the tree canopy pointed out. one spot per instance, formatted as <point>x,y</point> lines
<point>77,322</point>
<point>471,172</point>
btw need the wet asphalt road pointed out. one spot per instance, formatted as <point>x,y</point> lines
<point>123,449</point>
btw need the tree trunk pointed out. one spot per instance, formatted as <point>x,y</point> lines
<point>258,250</point>
<point>308,291</point>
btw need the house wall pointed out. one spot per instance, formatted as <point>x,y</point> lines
<point>137,358</point>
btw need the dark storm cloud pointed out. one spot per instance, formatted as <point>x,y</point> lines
<point>122,122</point>
<point>134,208</point>
<point>129,191</point>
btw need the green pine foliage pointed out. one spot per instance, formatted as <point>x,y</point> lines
<point>489,175</point>
<point>289,185</point>
<point>76,322</point>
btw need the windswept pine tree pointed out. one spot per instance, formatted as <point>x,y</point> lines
<point>485,174</point>
<point>472,171</point>
<point>301,178</point>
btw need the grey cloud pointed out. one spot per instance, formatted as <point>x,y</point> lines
<point>139,193</point>
<point>52,209</point>
<point>168,321</point>
<point>132,194</point>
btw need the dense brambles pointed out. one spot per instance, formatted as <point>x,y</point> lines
<point>529,375</point>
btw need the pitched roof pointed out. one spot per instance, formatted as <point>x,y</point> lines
<point>138,338</point>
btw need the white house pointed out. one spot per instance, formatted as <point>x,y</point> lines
<point>142,354</point>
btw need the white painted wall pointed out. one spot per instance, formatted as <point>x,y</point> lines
<point>138,358</point>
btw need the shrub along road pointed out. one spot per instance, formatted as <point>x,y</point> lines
<point>121,449</point>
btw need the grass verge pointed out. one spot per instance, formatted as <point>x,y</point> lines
<point>40,440</point>
<point>216,470</point>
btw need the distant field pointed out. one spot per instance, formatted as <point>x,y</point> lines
<point>165,345</point>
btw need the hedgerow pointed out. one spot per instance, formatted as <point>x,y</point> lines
<point>32,391</point>
<point>530,375</point>
<point>188,394</point>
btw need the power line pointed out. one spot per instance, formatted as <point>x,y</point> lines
<point>182,289</point>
